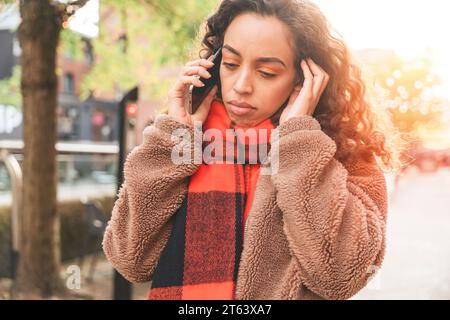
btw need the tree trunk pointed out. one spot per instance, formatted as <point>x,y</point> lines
<point>39,260</point>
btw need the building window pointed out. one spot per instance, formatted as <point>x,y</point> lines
<point>68,83</point>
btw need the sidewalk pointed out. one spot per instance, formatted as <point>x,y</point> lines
<point>417,260</point>
<point>416,264</point>
<point>101,285</point>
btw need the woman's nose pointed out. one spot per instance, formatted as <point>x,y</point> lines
<point>243,83</point>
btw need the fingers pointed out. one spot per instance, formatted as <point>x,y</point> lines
<point>308,83</point>
<point>179,93</point>
<point>196,70</point>
<point>184,81</point>
<point>191,73</point>
<point>200,62</point>
<point>315,82</point>
<point>320,77</point>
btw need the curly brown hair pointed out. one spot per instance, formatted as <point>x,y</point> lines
<point>343,112</point>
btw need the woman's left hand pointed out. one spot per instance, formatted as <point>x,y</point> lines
<point>304,99</point>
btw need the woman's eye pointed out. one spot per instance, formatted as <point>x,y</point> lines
<point>267,75</point>
<point>229,65</point>
<point>264,74</point>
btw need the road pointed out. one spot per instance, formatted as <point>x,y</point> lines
<point>417,260</point>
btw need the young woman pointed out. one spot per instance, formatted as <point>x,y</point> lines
<point>314,227</point>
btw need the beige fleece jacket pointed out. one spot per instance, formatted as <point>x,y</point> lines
<point>316,229</point>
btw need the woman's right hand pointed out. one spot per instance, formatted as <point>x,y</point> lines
<point>179,94</point>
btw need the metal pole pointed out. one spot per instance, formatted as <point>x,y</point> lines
<point>122,289</point>
<point>15,172</point>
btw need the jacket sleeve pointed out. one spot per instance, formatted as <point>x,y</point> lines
<point>334,216</point>
<point>153,189</point>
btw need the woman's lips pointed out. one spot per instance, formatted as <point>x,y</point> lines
<point>240,110</point>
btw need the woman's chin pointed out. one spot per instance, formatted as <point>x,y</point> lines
<point>243,123</point>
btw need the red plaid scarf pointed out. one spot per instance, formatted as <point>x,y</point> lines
<point>201,258</point>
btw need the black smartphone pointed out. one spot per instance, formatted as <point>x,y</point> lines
<point>197,94</point>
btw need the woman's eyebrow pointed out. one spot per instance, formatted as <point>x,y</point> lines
<point>261,59</point>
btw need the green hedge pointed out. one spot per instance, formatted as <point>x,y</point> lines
<point>74,231</point>
<point>5,241</point>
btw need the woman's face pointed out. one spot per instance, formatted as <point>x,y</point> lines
<point>257,68</point>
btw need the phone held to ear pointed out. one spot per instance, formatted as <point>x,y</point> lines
<point>197,94</point>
